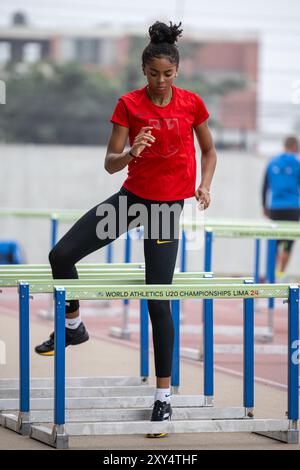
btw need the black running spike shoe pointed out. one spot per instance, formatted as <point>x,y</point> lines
<point>162,411</point>
<point>73,337</point>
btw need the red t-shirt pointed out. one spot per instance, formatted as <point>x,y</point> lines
<point>166,171</point>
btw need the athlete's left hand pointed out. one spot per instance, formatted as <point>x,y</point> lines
<point>203,196</point>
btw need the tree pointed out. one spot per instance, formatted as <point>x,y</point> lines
<point>48,103</point>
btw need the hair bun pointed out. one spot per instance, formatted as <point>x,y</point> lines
<point>160,32</point>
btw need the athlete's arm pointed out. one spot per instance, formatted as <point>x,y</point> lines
<point>116,159</point>
<point>208,162</point>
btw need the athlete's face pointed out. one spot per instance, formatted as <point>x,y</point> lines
<point>160,75</point>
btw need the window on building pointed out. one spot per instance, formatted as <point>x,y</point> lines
<point>5,52</point>
<point>32,52</point>
<point>87,51</point>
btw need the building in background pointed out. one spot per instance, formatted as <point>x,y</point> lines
<point>223,69</point>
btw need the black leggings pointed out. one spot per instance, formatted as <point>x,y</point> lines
<point>286,215</point>
<point>160,259</point>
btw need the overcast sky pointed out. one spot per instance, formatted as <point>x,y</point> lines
<point>277,23</point>
<point>272,15</point>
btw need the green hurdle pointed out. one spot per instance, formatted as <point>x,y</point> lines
<point>10,276</point>
<point>34,286</point>
<point>12,279</point>
<point>130,285</point>
<point>274,233</point>
<point>283,429</point>
<point>46,286</point>
<point>79,266</point>
<point>270,231</point>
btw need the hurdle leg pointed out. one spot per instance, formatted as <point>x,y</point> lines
<point>183,252</point>
<point>61,439</point>
<point>144,341</point>
<point>109,260</point>
<point>24,338</point>
<point>257,250</point>
<point>248,359</point>
<point>292,435</point>
<point>57,437</point>
<point>54,226</point>
<point>109,253</point>
<point>272,246</point>
<point>257,261</point>
<point>48,313</point>
<point>21,422</point>
<point>208,352</point>
<point>124,331</point>
<point>175,379</point>
<point>208,238</point>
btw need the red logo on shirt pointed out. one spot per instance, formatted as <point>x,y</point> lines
<point>167,134</point>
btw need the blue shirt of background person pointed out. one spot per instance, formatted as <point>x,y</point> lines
<point>281,188</point>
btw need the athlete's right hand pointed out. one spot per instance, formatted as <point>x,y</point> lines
<point>143,139</point>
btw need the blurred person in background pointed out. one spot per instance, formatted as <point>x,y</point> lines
<point>281,196</point>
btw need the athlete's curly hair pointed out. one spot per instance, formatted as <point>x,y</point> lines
<point>162,42</point>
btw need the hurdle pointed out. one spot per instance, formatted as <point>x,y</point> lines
<point>284,429</point>
<point>9,391</point>
<point>68,216</point>
<point>258,230</point>
<point>239,228</point>
<point>57,216</point>
<point>83,266</point>
<point>10,275</point>
<point>244,228</point>
<point>272,233</point>
<point>207,418</point>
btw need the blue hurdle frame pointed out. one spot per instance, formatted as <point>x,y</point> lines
<point>271,266</point>
<point>248,370</point>
<point>270,260</point>
<point>208,363</point>
<point>248,398</point>
<point>24,355</point>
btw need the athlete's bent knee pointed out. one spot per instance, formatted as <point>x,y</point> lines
<point>59,255</point>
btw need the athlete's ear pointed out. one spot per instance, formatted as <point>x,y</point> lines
<point>143,68</point>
